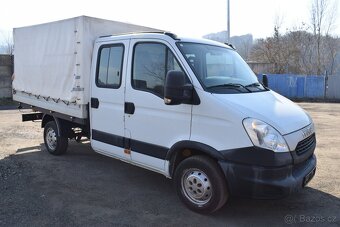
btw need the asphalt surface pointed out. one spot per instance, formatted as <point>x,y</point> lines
<point>83,188</point>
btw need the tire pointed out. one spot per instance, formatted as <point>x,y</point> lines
<point>55,142</point>
<point>200,184</point>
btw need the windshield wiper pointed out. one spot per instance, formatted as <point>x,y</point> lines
<point>231,85</point>
<point>257,85</point>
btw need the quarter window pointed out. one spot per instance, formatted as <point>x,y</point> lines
<point>109,70</point>
<point>151,63</point>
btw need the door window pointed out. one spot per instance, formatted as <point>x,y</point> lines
<point>109,67</point>
<point>151,63</point>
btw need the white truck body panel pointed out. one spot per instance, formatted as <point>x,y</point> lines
<point>52,63</point>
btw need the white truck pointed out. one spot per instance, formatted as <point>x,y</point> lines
<point>190,109</point>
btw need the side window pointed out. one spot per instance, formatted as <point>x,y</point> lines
<point>151,63</point>
<point>109,67</point>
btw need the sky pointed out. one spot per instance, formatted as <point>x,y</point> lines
<point>189,18</point>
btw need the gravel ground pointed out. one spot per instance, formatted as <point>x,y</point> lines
<point>83,188</point>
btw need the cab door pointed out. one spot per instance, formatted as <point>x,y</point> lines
<point>107,99</point>
<point>153,126</point>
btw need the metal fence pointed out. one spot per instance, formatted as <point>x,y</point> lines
<point>333,87</point>
<point>305,87</point>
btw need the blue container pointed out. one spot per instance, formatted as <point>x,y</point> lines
<point>315,86</point>
<point>297,86</point>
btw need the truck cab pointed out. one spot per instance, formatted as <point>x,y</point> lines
<point>193,111</point>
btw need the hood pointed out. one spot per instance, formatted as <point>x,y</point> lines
<point>270,107</point>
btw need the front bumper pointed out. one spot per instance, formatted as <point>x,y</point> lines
<point>268,182</point>
<point>261,173</point>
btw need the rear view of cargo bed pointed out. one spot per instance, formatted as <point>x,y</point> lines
<point>52,62</point>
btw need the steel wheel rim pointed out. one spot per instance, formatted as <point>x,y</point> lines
<point>196,186</point>
<point>51,139</point>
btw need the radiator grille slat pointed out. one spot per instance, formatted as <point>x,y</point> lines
<point>306,144</point>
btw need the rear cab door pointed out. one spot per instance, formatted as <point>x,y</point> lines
<point>107,98</point>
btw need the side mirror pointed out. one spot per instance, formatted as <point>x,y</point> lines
<point>174,88</point>
<point>265,80</point>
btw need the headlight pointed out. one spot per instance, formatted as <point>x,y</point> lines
<point>264,135</point>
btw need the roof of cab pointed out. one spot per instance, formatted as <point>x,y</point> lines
<point>160,35</point>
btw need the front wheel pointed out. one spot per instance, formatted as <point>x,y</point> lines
<point>55,142</point>
<point>200,184</point>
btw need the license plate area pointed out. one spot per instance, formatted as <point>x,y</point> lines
<point>308,177</point>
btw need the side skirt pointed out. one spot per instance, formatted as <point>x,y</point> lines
<point>158,162</point>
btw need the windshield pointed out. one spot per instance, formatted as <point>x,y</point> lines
<point>219,69</point>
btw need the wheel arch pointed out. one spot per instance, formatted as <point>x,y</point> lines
<point>186,148</point>
<point>63,126</point>
<point>47,118</point>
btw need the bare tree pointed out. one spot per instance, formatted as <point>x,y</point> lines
<point>323,15</point>
<point>296,52</point>
<point>275,50</point>
<point>307,49</point>
<point>330,51</point>
<point>7,42</point>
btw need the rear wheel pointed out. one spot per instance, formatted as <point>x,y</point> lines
<point>200,184</point>
<point>55,142</point>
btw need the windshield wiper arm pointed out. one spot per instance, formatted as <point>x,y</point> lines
<point>231,85</point>
<point>257,85</point>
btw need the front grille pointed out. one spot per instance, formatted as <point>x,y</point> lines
<point>306,144</point>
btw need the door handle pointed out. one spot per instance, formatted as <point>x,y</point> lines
<point>94,103</point>
<point>129,108</point>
